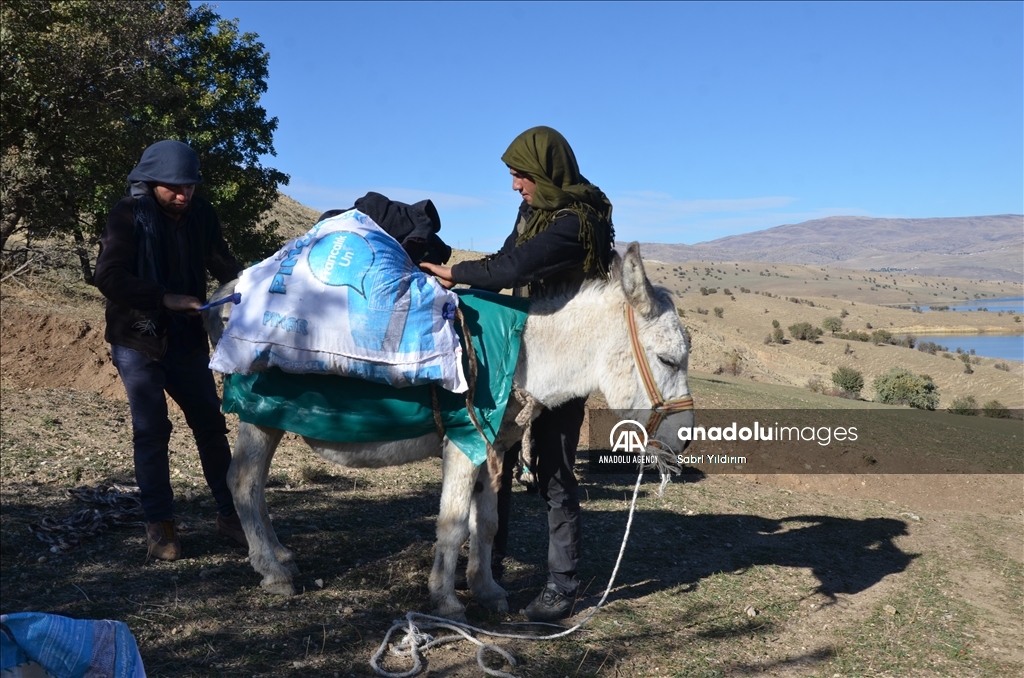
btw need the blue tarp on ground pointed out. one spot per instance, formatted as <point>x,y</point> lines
<point>69,648</point>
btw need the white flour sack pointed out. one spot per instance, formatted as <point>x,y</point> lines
<point>344,299</point>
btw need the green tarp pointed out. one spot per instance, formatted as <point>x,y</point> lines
<point>343,409</point>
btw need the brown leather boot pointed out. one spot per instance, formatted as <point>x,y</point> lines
<point>231,527</point>
<point>162,540</point>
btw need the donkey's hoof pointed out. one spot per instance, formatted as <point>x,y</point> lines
<point>497,604</point>
<point>279,587</point>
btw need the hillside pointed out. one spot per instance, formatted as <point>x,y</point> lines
<point>985,248</point>
<point>293,218</point>
<point>823,289</point>
<point>758,294</point>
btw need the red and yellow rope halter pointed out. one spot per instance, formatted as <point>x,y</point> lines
<point>660,408</point>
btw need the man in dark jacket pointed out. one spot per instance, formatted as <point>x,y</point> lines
<point>563,235</point>
<point>155,252</point>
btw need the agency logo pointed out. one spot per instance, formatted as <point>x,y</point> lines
<point>628,436</point>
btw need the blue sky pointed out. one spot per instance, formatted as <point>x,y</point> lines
<point>698,120</point>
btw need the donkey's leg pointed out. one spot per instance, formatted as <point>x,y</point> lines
<point>458,476</point>
<point>283,554</point>
<point>483,524</point>
<point>247,478</point>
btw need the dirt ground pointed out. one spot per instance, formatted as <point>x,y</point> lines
<point>726,575</point>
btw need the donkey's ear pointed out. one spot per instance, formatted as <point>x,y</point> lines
<point>638,289</point>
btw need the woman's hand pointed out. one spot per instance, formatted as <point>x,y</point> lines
<point>442,273</point>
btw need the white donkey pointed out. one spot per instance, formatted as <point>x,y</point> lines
<point>570,349</point>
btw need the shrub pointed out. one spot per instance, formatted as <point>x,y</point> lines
<point>930,347</point>
<point>867,325</point>
<point>701,311</point>
<point>966,406</point>
<point>734,362</point>
<point>844,313</point>
<point>965,358</point>
<point>778,336</point>
<point>900,386</point>
<point>881,337</point>
<point>995,410</point>
<point>832,324</point>
<point>1002,366</point>
<point>855,335</point>
<point>849,380</point>
<point>816,385</point>
<point>909,341</point>
<point>718,311</point>
<point>805,331</point>
<point>725,290</point>
<point>775,324</point>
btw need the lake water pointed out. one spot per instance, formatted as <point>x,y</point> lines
<point>1002,346</point>
<point>1008,304</point>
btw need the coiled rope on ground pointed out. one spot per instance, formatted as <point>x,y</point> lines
<point>416,624</point>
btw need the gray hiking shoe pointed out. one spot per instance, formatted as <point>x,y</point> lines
<point>551,605</point>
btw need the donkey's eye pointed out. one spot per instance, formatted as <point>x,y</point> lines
<point>668,362</point>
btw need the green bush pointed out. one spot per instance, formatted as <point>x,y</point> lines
<point>832,324</point>
<point>930,347</point>
<point>965,358</point>
<point>881,337</point>
<point>805,331</point>
<point>718,311</point>
<point>966,405</point>
<point>995,410</point>
<point>900,386</point>
<point>775,324</point>
<point>778,336</point>
<point>849,380</point>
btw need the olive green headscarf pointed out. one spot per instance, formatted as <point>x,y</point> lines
<point>547,158</point>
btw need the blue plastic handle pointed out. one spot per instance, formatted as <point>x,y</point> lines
<point>235,298</point>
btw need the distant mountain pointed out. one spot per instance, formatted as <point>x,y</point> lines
<point>984,248</point>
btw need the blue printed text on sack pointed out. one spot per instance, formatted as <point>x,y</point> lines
<point>291,258</point>
<point>286,323</point>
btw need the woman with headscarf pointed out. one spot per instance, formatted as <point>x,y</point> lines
<point>563,235</point>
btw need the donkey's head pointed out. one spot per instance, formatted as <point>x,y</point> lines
<point>655,381</point>
<point>216,318</point>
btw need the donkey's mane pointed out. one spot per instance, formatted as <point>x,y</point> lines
<point>594,288</point>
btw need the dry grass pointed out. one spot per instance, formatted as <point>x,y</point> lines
<point>864,576</point>
<point>837,585</point>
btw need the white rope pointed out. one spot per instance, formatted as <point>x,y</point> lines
<point>416,641</point>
